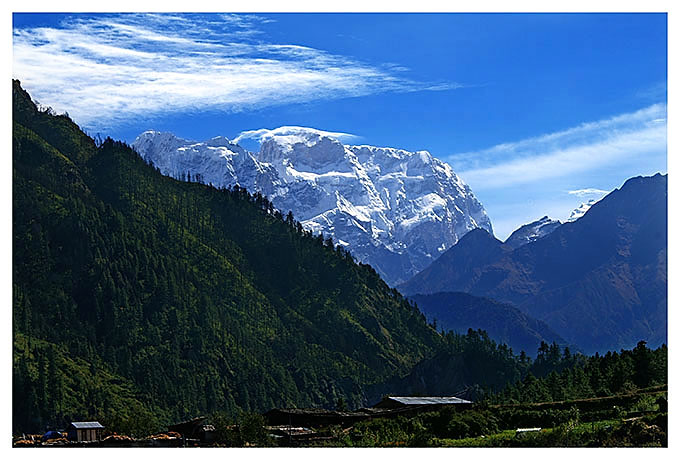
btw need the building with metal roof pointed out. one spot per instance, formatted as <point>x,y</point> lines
<point>85,431</point>
<point>394,402</point>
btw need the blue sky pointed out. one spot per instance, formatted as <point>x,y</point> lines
<point>536,112</point>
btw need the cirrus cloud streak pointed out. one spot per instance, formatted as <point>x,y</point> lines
<point>105,69</point>
<point>633,137</point>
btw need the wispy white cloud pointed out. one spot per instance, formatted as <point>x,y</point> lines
<point>655,92</point>
<point>263,134</point>
<point>588,192</point>
<point>109,68</point>
<point>583,148</point>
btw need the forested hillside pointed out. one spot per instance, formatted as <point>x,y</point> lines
<point>180,297</point>
<point>458,312</point>
<point>478,366</point>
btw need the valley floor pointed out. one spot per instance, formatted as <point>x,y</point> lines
<point>637,419</point>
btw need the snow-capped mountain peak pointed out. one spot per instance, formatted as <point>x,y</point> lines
<point>291,135</point>
<point>532,231</point>
<point>395,209</point>
<point>156,141</point>
<point>310,152</point>
<point>581,210</point>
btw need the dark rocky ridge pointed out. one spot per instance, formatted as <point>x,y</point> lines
<point>600,282</point>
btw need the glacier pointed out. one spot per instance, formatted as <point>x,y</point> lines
<point>393,209</point>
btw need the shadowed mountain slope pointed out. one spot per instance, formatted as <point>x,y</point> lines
<point>504,323</point>
<point>600,282</point>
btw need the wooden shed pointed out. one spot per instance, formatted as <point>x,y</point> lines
<point>85,431</point>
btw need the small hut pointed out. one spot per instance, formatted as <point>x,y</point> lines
<point>85,431</point>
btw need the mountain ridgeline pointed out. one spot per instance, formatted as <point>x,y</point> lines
<point>600,281</point>
<point>458,312</point>
<point>393,209</point>
<point>191,299</point>
<point>532,231</point>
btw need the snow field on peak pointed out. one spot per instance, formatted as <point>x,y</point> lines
<point>581,210</point>
<point>395,209</point>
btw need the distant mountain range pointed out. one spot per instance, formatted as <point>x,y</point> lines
<point>599,282</point>
<point>458,312</point>
<point>393,209</point>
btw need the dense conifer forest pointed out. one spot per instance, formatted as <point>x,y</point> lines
<point>563,376</point>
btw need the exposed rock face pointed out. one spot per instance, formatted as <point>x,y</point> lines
<point>394,209</point>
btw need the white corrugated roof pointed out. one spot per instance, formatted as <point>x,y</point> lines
<point>421,400</point>
<point>87,425</point>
